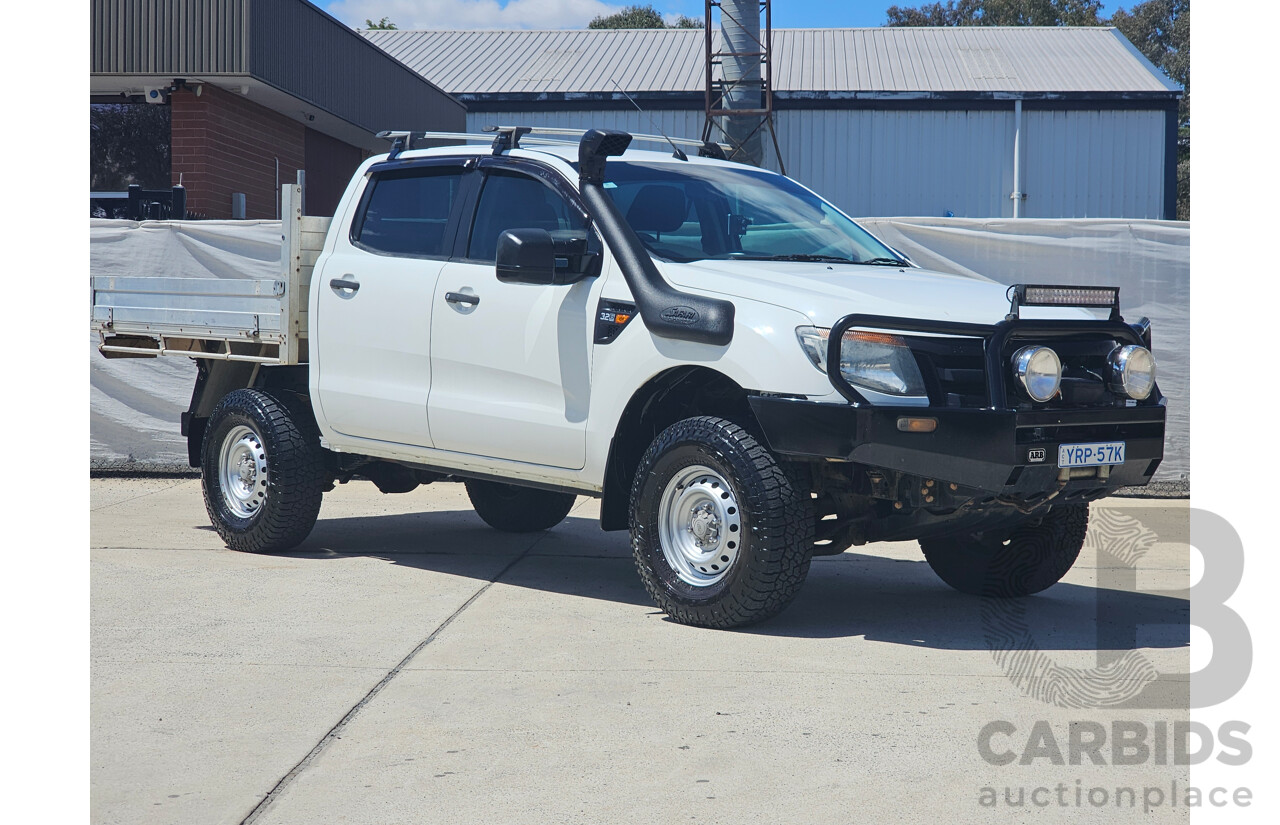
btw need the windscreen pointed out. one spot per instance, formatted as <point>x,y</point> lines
<point>689,212</point>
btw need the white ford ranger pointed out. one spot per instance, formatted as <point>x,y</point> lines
<point>744,375</point>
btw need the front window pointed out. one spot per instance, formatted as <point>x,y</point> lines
<point>691,212</point>
<point>510,200</point>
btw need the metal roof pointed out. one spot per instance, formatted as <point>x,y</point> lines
<point>909,60</point>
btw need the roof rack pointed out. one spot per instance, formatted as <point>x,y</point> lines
<point>512,137</point>
<point>705,148</point>
<point>403,141</point>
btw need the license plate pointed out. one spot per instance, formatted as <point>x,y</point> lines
<point>1091,455</point>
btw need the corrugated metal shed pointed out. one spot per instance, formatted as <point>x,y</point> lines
<point>934,162</point>
<point>909,60</point>
<point>887,121</point>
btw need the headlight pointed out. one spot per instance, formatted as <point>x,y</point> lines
<point>1039,372</point>
<point>1133,371</point>
<point>868,360</point>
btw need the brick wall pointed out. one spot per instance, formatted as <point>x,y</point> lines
<point>330,164</point>
<point>222,142</point>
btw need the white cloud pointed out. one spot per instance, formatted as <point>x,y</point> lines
<point>473,14</point>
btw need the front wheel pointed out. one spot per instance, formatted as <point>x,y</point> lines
<point>263,472</point>
<point>721,536</point>
<point>1011,563</point>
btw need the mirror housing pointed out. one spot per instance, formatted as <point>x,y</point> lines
<point>533,256</point>
<point>526,256</point>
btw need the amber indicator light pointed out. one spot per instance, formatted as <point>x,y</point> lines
<point>917,425</point>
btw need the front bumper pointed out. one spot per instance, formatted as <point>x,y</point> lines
<point>1003,452</point>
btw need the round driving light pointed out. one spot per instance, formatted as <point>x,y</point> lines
<point>1039,371</point>
<point>1133,371</point>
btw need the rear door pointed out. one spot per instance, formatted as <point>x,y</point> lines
<point>512,362</point>
<point>372,352</point>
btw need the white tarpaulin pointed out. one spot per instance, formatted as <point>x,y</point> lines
<point>135,404</point>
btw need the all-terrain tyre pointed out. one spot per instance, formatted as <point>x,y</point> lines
<point>263,471</point>
<point>721,536</point>
<point>1008,563</point>
<point>513,509</point>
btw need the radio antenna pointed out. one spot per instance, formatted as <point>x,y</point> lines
<point>675,150</point>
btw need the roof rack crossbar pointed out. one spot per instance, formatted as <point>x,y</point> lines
<point>471,137</point>
<point>698,144</point>
<point>518,136</point>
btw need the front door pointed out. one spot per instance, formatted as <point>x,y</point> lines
<point>511,363</point>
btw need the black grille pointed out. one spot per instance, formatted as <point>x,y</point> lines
<point>952,369</point>
<point>954,372</point>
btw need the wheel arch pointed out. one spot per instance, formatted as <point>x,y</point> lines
<point>669,396</point>
<point>216,379</point>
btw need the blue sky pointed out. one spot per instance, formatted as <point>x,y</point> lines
<point>577,13</point>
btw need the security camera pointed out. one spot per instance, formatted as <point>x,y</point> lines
<point>154,94</point>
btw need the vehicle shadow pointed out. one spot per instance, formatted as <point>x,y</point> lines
<point>893,600</point>
<point>901,601</point>
<point>575,558</point>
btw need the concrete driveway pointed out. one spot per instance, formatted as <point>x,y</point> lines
<point>408,664</point>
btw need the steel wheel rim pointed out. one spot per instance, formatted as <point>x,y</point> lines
<point>242,472</point>
<point>699,525</point>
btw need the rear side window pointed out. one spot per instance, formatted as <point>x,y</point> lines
<point>407,210</point>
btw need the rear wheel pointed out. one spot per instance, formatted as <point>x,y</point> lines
<point>263,472</point>
<point>1008,563</point>
<point>513,509</point>
<point>720,535</point>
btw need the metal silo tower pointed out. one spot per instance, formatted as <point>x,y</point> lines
<point>739,90</point>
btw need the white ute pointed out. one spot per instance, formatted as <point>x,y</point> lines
<point>743,374</point>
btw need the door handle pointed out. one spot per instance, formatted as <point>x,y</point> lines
<point>461,298</point>
<point>342,285</point>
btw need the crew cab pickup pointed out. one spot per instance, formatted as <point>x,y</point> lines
<point>743,375</point>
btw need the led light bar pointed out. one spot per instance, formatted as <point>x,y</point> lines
<point>1030,295</point>
<point>1061,295</point>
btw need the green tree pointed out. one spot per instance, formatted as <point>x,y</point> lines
<point>128,143</point>
<point>1161,30</point>
<point>934,14</point>
<point>999,13</point>
<point>641,17</point>
<point>384,25</point>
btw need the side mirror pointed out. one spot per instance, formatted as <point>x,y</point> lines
<point>533,256</point>
<point>526,256</point>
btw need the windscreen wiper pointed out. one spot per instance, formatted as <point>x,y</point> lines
<point>819,259</point>
<point>882,262</point>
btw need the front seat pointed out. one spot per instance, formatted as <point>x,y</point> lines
<point>658,208</point>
